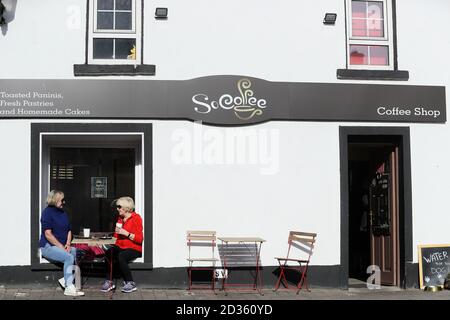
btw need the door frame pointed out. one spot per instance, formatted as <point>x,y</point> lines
<point>113,129</point>
<point>405,197</point>
<point>129,140</point>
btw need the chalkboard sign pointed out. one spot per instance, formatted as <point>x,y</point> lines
<point>434,264</point>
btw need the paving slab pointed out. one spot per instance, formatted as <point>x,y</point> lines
<point>93,293</point>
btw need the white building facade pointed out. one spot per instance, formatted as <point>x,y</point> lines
<point>299,120</point>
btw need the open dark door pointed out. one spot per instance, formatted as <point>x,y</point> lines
<point>383,214</point>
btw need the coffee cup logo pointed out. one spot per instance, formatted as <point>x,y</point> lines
<point>245,106</point>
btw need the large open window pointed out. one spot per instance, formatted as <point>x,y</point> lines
<point>93,164</point>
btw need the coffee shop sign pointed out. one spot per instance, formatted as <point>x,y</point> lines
<point>245,106</point>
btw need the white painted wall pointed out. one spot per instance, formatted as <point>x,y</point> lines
<point>207,37</point>
<point>44,40</point>
<point>15,192</point>
<point>237,200</point>
<point>423,49</point>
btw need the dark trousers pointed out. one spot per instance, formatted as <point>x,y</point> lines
<point>121,258</point>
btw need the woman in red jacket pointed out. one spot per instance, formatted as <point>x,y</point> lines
<point>128,244</point>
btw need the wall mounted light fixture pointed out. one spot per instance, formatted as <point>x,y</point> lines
<point>330,18</point>
<point>7,12</point>
<point>161,13</point>
<point>2,12</point>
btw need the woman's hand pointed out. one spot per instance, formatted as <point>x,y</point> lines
<point>67,247</point>
<point>122,231</point>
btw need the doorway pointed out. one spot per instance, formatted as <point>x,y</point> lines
<point>376,215</point>
<point>373,208</point>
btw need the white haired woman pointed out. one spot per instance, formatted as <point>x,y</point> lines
<point>56,237</point>
<point>128,245</point>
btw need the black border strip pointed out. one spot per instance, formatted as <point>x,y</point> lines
<point>405,215</point>
<point>357,74</point>
<point>80,70</point>
<point>87,32</point>
<point>38,128</point>
<point>142,32</point>
<point>394,33</point>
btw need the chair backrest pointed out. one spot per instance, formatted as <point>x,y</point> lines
<point>196,238</point>
<point>303,241</point>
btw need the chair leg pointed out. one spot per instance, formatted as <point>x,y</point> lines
<point>281,278</point>
<point>214,279</point>
<point>189,279</point>
<point>303,280</point>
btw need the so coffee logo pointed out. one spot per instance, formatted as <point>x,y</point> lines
<point>245,106</point>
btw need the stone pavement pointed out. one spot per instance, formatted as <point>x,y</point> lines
<point>93,293</point>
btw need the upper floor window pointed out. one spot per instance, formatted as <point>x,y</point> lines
<point>114,32</point>
<point>370,35</point>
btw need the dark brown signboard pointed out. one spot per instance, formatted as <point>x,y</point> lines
<point>221,100</point>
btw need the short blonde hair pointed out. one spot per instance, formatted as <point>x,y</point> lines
<point>126,203</point>
<point>54,196</point>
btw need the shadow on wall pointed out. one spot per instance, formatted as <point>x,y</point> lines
<point>7,13</point>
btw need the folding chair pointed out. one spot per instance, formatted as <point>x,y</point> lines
<point>201,239</point>
<point>304,242</point>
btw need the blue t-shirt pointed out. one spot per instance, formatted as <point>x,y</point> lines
<point>56,220</point>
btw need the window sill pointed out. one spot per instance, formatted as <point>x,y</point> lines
<point>54,267</point>
<point>351,74</point>
<point>86,70</point>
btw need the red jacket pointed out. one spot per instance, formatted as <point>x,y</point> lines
<point>134,226</point>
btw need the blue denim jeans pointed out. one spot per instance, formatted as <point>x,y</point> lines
<point>55,254</point>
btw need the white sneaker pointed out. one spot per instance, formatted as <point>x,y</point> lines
<point>62,283</point>
<point>72,291</point>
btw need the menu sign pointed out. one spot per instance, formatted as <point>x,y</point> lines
<point>434,264</point>
<point>99,187</point>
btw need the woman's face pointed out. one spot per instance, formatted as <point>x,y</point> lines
<point>121,210</point>
<point>60,203</point>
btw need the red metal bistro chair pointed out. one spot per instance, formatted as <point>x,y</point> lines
<point>196,240</point>
<point>304,243</point>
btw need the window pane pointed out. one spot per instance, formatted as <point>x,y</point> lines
<point>123,4</point>
<point>105,20</point>
<point>359,9</point>
<point>123,48</point>
<point>123,21</point>
<point>376,28</point>
<point>367,19</point>
<point>375,10</point>
<point>358,54</point>
<point>103,48</point>
<point>117,165</point>
<point>359,27</point>
<point>105,4</point>
<point>379,55</point>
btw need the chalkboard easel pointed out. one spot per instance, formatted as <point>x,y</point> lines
<point>434,264</point>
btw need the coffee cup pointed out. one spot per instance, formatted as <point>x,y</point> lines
<point>86,232</point>
<point>119,225</point>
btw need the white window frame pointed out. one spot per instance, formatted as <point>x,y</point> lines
<point>387,40</point>
<point>135,33</point>
<point>46,143</point>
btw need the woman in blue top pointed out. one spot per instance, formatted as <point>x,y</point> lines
<point>56,236</point>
